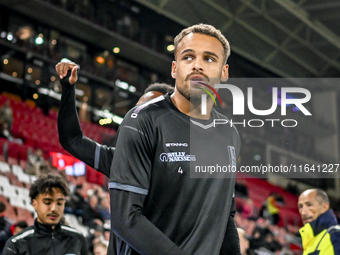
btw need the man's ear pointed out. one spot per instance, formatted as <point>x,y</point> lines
<point>173,69</point>
<point>325,207</point>
<point>34,204</point>
<point>225,73</point>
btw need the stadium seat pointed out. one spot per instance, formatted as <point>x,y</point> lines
<point>24,178</point>
<point>17,170</point>
<point>15,200</point>
<point>4,181</point>
<point>7,190</point>
<point>4,167</point>
<point>23,151</point>
<point>22,192</point>
<point>13,150</point>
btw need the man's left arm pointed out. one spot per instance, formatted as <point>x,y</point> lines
<point>231,241</point>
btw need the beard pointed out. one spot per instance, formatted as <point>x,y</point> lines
<point>191,94</point>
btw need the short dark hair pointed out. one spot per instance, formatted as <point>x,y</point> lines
<point>204,29</point>
<point>21,224</point>
<point>46,182</point>
<point>2,207</point>
<point>160,87</point>
<point>321,196</point>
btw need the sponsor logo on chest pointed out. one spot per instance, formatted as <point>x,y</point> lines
<point>179,156</point>
<point>176,145</point>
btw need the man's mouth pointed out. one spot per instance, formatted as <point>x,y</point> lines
<point>53,216</point>
<point>309,219</point>
<point>197,78</point>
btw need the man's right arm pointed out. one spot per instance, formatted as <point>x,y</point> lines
<point>71,136</point>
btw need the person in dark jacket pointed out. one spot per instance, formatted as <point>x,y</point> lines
<point>146,235</point>
<point>5,227</point>
<point>47,235</point>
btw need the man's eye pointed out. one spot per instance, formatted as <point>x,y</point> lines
<point>188,58</point>
<point>210,59</point>
<point>47,203</point>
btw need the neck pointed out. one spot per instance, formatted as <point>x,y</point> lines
<point>192,109</point>
<point>46,224</point>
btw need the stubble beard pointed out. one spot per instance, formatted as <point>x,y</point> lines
<point>193,95</point>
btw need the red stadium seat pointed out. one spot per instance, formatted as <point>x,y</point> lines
<point>13,150</point>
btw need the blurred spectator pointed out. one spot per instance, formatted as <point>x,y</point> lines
<point>99,192</point>
<point>104,208</point>
<point>6,114</point>
<point>292,188</point>
<point>36,163</point>
<point>270,209</point>
<point>96,235</point>
<point>259,234</point>
<point>5,227</point>
<point>244,243</point>
<point>6,133</point>
<point>18,227</point>
<point>100,249</point>
<point>271,243</point>
<point>248,210</point>
<point>76,202</point>
<point>91,212</point>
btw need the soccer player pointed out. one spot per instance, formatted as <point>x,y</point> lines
<point>156,207</point>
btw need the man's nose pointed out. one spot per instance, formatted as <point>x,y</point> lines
<point>303,210</point>
<point>53,206</point>
<point>198,65</point>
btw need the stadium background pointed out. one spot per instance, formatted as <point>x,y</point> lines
<point>122,46</point>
